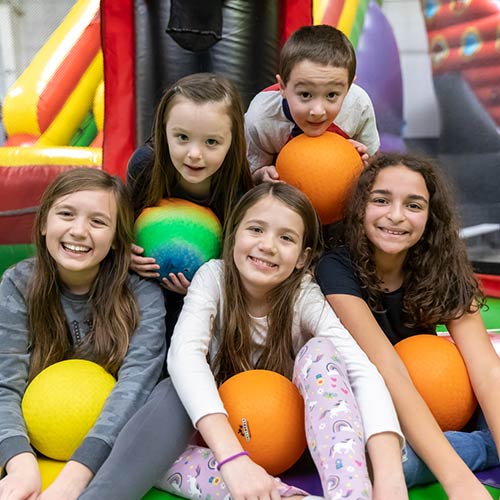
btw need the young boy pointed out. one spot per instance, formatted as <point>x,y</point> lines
<point>314,94</point>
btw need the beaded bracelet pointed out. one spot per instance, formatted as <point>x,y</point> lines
<point>232,457</point>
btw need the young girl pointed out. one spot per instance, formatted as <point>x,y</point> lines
<point>76,299</point>
<point>403,270</point>
<point>198,153</point>
<point>259,308</point>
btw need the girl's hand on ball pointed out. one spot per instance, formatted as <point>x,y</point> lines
<point>176,283</point>
<point>23,481</point>
<point>362,150</point>
<point>143,266</point>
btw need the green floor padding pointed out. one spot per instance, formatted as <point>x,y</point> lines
<point>155,494</point>
<point>429,492</point>
<point>435,492</point>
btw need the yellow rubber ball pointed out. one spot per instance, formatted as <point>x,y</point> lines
<point>62,403</point>
<point>49,470</point>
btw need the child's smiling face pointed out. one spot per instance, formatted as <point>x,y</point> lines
<point>315,93</point>
<point>268,245</point>
<point>397,210</point>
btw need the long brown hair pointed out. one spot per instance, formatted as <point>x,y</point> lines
<point>439,282</point>
<point>233,177</point>
<point>235,353</point>
<point>114,309</point>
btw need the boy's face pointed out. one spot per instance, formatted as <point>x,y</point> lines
<point>315,94</point>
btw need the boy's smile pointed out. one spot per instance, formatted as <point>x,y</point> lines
<point>315,94</point>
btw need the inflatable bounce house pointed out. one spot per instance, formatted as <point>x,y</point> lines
<point>88,98</point>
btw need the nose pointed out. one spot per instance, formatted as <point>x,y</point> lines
<point>194,152</point>
<point>267,244</point>
<point>78,227</point>
<point>396,213</point>
<point>317,108</point>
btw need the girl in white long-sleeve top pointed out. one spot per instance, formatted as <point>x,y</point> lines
<point>260,308</point>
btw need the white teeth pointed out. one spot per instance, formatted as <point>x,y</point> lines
<point>75,248</point>
<point>398,233</point>
<point>268,264</point>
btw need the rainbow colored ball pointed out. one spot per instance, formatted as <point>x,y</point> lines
<point>180,235</point>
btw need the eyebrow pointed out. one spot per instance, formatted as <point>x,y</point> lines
<point>335,83</point>
<point>411,196</point>
<point>177,129</point>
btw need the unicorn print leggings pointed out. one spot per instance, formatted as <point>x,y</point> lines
<point>334,434</point>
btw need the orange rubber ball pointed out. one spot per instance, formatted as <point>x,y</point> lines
<point>438,371</point>
<point>324,168</point>
<point>266,412</point>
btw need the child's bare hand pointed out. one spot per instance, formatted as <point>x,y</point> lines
<point>266,174</point>
<point>143,266</point>
<point>176,283</point>
<point>247,480</point>
<point>362,150</point>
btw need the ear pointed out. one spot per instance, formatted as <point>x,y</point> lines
<point>301,262</point>
<point>44,230</point>
<point>281,83</point>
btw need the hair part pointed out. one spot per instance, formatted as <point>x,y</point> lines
<point>114,315</point>
<point>321,44</point>
<point>237,345</point>
<point>439,281</point>
<point>233,176</point>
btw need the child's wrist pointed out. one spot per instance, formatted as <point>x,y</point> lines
<point>230,458</point>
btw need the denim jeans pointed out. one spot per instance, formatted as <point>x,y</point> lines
<point>476,448</point>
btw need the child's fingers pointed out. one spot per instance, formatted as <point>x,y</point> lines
<point>137,249</point>
<point>183,280</point>
<point>173,284</point>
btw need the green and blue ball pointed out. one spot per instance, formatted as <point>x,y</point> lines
<point>180,235</point>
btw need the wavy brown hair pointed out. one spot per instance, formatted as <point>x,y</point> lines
<point>114,309</point>
<point>233,177</point>
<point>235,353</point>
<point>320,44</point>
<point>439,282</point>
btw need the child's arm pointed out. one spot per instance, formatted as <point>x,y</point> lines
<point>483,366</point>
<point>136,378</point>
<point>23,481</point>
<point>243,477</point>
<point>15,449</point>
<point>418,424</point>
<point>384,451</point>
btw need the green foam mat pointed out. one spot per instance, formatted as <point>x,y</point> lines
<point>434,491</point>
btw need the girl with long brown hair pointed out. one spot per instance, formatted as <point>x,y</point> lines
<point>258,308</point>
<point>403,270</point>
<point>197,153</point>
<point>76,299</point>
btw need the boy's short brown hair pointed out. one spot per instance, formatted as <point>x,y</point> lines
<point>322,44</point>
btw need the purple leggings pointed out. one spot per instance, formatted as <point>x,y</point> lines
<point>333,428</point>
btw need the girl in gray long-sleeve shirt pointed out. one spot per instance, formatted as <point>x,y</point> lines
<point>76,299</point>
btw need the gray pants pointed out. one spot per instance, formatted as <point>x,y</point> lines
<point>146,447</point>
